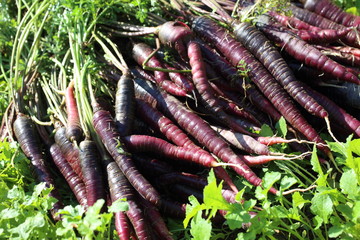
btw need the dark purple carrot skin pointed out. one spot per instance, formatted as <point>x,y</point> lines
<point>173,209</point>
<point>27,137</point>
<point>195,126</point>
<point>121,188</point>
<point>106,129</point>
<point>329,10</point>
<point>156,220</point>
<point>75,182</point>
<point>92,172</point>
<point>346,49</point>
<point>259,45</point>
<point>307,54</point>
<point>236,53</point>
<point>143,143</point>
<point>159,122</point>
<point>156,166</point>
<point>125,104</point>
<point>122,225</point>
<point>74,131</point>
<point>337,113</point>
<point>140,53</point>
<point>312,18</point>
<point>71,153</point>
<point>322,36</point>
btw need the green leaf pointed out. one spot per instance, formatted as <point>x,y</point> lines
<point>349,184</point>
<point>119,205</point>
<point>355,146</point>
<point>213,198</point>
<point>192,209</point>
<point>335,231</point>
<point>298,200</point>
<point>266,131</point>
<point>287,182</point>
<point>200,228</point>
<point>237,217</point>
<point>281,127</point>
<point>322,206</point>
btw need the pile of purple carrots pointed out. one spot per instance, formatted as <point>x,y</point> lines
<point>175,117</point>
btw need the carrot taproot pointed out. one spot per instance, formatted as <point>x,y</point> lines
<point>106,129</point>
<point>74,131</point>
<point>140,53</point>
<point>144,163</point>
<point>343,57</point>
<point>180,79</point>
<point>195,126</point>
<point>92,172</point>
<point>322,36</point>
<point>125,104</point>
<point>122,225</point>
<point>28,139</point>
<point>292,22</point>
<point>236,53</point>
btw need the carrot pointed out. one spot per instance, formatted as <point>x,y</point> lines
<point>268,55</point>
<point>106,129</point>
<point>306,53</point>
<point>156,220</point>
<point>195,126</point>
<point>312,18</point>
<point>76,184</point>
<point>346,58</point>
<point>140,53</point>
<point>346,49</point>
<point>122,225</point>
<point>337,113</point>
<point>236,53</point>
<point>71,153</point>
<point>143,143</point>
<point>74,131</point>
<point>323,36</point>
<point>243,142</point>
<point>24,130</point>
<point>125,104</point>
<point>156,166</point>
<point>159,122</point>
<point>92,172</point>
<point>180,79</point>
<point>120,188</point>
<point>329,10</point>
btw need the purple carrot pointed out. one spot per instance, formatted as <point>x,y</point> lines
<point>106,129</point>
<point>92,172</point>
<point>322,36</point>
<point>125,104</point>
<point>74,131</point>
<point>27,137</point>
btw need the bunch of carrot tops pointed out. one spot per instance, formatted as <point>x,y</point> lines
<point>124,111</point>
